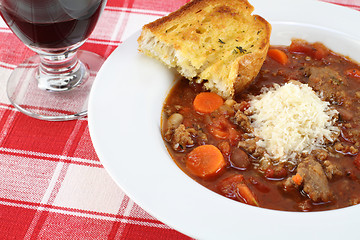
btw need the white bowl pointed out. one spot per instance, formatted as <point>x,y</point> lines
<point>124,121</point>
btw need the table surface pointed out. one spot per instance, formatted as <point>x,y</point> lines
<point>52,184</point>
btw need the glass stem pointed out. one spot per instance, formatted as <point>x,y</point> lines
<point>60,71</point>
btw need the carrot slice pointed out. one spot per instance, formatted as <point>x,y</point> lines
<point>219,133</point>
<point>207,102</point>
<point>205,161</point>
<point>297,179</point>
<point>246,194</point>
<point>236,188</point>
<point>278,56</point>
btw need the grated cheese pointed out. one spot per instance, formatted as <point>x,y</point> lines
<point>292,119</point>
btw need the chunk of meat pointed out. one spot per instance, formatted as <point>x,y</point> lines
<point>320,154</point>
<point>346,148</point>
<point>315,182</point>
<point>250,146</point>
<point>182,138</point>
<point>328,82</point>
<point>243,121</point>
<point>332,169</point>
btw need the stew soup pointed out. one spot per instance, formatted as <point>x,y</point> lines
<point>237,167</point>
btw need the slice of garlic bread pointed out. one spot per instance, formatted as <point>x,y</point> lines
<point>215,41</point>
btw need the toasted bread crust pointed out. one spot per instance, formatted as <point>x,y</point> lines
<point>215,41</point>
<point>193,6</point>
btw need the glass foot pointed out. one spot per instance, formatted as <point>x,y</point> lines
<point>27,95</point>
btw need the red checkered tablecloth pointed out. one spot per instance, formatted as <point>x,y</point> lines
<point>52,184</point>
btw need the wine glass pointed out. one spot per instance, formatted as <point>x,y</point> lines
<point>55,83</point>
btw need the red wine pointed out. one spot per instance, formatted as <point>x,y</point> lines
<point>51,23</point>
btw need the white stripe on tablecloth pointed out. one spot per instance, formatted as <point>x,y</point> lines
<point>55,156</point>
<point>87,215</point>
<point>135,10</point>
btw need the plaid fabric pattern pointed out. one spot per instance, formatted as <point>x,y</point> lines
<point>52,184</point>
